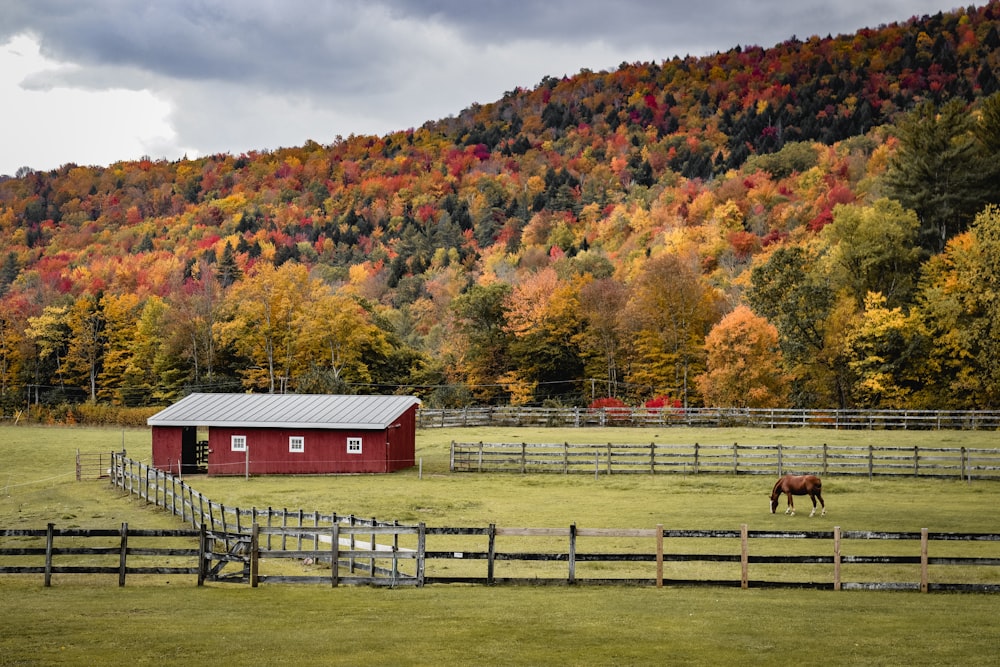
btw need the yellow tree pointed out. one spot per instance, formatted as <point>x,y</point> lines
<point>336,334</point>
<point>261,322</point>
<point>120,314</point>
<point>670,312</point>
<point>13,323</point>
<point>543,316</point>
<point>49,333</point>
<point>744,365</point>
<point>85,352</point>
<point>884,348</point>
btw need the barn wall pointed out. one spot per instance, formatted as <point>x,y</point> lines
<point>324,452</point>
<point>167,448</point>
<point>402,440</point>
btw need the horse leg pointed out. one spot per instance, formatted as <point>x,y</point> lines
<point>812,498</point>
<point>790,510</point>
<point>820,496</point>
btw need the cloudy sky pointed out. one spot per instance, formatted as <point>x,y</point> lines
<point>97,81</point>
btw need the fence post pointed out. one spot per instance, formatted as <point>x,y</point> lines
<point>491,552</point>
<point>696,458</point>
<point>609,458</point>
<point>352,521</point>
<point>334,554</point>
<point>659,555</point>
<point>781,465</point>
<point>524,456</point>
<point>744,558</point>
<point>122,555</point>
<point>916,461</point>
<point>652,458</point>
<point>836,558</point>
<point>824,457</point>
<point>421,551</point>
<point>923,561</point>
<point>572,553</point>
<point>50,534</point>
<point>202,556</point>
<point>372,546</point>
<point>78,465</point>
<point>736,459</point>
<point>254,554</point>
<point>871,462</point>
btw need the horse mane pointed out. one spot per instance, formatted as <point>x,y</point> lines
<point>777,486</point>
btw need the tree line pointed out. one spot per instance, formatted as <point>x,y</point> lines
<point>811,225</point>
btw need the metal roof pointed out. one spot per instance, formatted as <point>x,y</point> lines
<point>326,411</point>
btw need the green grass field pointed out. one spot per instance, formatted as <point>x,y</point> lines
<point>88,619</point>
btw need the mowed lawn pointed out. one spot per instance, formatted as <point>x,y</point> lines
<point>88,619</point>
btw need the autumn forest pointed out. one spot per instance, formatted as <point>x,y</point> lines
<point>815,224</point>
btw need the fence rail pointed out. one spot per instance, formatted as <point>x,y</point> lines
<point>655,458</point>
<point>662,417</point>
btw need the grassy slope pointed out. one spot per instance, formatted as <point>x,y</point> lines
<point>90,620</point>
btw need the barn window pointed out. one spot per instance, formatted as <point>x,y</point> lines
<point>239,443</point>
<point>354,445</point>
<point>296,444</point>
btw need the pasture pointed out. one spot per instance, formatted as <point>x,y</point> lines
<point>87,618</point>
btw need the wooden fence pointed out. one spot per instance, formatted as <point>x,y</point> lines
<point>832,560</point>
<point>78,545</point>
<point>662,417</point>
<point>203,554</point>
<point>777,459</point>
<point>276,533</point>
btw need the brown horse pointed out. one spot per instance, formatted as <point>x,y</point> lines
<point>798,485</point>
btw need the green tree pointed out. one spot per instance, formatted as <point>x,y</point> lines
<point>792,293</point>
<point>482,340</point>
<point>873,249</point>
<point>939,170</point>
<point>602,304</point>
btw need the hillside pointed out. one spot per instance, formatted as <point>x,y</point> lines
<point>803,225</point>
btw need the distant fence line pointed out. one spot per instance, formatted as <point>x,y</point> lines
<point>984,420</point>
<point>777,459</point>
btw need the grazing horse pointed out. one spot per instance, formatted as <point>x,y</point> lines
<point>798,485</point>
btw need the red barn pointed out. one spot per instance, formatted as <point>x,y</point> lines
<point>261,434</point>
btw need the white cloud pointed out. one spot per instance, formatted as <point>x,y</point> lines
<point>47,126</point>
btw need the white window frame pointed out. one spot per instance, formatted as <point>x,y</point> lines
<point>238,443</point>
<point>296,444</point>
<point>354,445</point>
